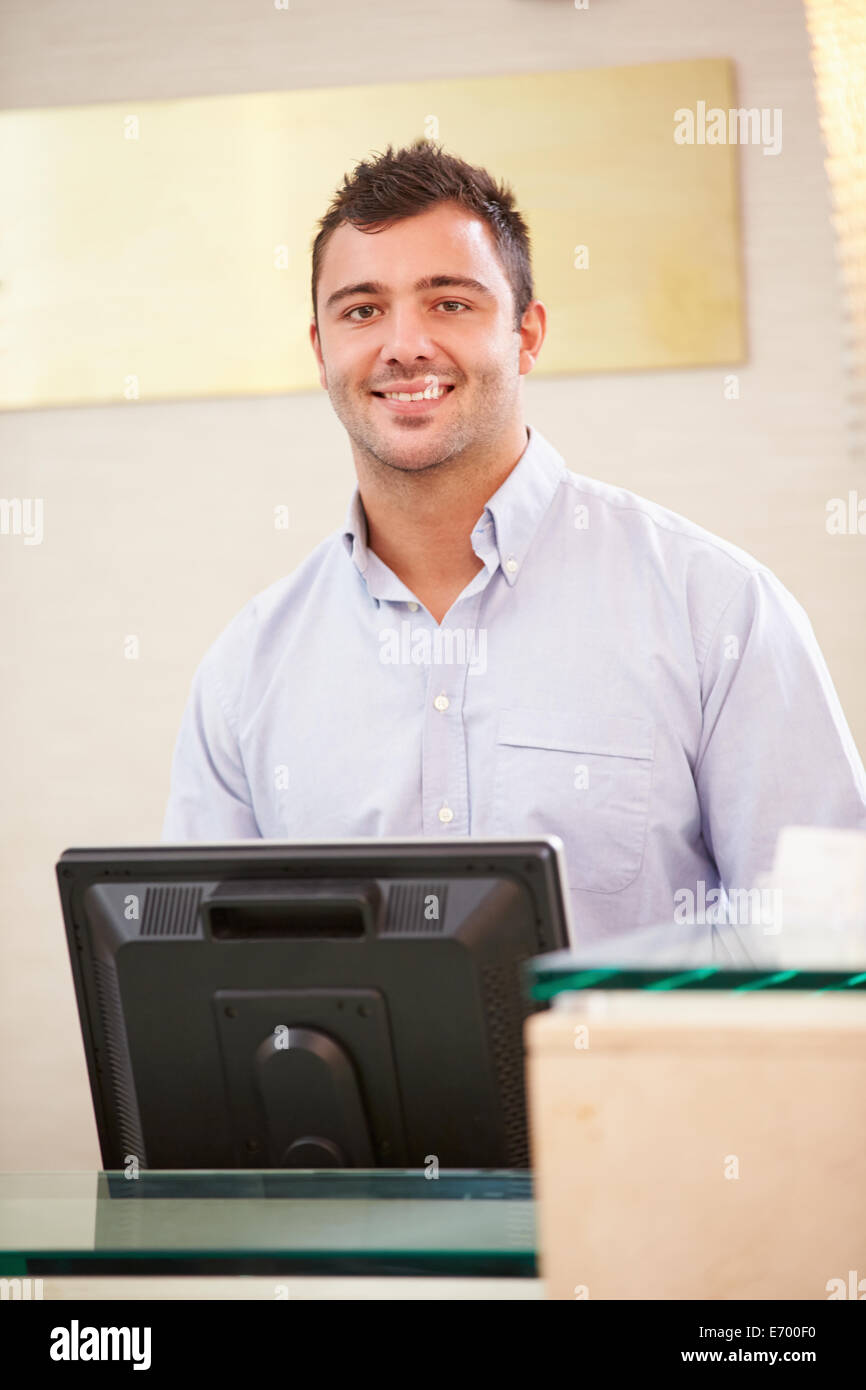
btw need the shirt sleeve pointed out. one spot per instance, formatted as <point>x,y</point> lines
<point>775,748</point>
<point>210,797</point>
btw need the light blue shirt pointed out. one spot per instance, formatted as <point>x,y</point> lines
<point>614,675</point>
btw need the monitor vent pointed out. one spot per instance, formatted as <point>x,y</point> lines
<point>505,1013</point>
<point>416,909</point>
<point>171,910</point>
<point>119,1065</point>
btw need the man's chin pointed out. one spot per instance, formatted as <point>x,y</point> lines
<point>412,455</point>
<point>411,463</point>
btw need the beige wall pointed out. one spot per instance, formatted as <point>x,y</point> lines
<point>158,518</point>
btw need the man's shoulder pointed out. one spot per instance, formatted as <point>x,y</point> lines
<point>630,517</point>
<point>291,591</point>
<point>259,627</point>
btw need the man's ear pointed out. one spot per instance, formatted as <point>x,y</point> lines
<point>533,330</point>
<point>317,349</point>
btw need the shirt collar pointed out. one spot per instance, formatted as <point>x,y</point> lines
<point>509,520</point>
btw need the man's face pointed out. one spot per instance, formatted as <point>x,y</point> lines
<point>388,322</point>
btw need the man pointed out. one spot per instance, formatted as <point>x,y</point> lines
<point>492,644</point>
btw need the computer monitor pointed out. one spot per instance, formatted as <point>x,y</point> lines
<point>356,1004</point>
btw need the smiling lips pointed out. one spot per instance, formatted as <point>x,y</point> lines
<point>412,399</point>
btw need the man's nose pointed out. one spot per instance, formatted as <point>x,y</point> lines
<point>406,335</point>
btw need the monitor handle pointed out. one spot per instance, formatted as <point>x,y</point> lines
<point>309,1092</point>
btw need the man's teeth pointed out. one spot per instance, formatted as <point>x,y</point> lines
<point>430,393</point>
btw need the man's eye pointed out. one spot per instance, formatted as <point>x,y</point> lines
<point>364,317</point>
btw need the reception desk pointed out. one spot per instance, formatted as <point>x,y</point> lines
<point>268,1235</point>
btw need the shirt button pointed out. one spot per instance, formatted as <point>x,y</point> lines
<point>441,702</point>
<point>511,564</point>
<point>446,814</point>
<point>413,608</point>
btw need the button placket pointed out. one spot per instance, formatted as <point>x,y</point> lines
<point>445,766</point>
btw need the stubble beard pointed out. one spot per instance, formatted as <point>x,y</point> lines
<point>477,424</point>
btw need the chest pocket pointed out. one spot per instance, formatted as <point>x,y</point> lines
<point>583,777</point>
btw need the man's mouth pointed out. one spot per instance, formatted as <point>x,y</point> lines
<point>429,393</point>
<point>414,402</point>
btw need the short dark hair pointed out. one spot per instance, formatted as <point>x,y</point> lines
<point>405,182</point>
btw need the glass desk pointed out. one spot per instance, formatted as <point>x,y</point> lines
<point>347,1222</point>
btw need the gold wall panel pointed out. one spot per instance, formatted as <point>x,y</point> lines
<point>146,267</point>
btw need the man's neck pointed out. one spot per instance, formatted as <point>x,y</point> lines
<point>420,524</point>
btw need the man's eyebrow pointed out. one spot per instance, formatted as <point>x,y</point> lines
<point>429,282</point>
<point>447,282</point>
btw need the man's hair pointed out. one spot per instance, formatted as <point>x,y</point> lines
<point>405,182</point>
